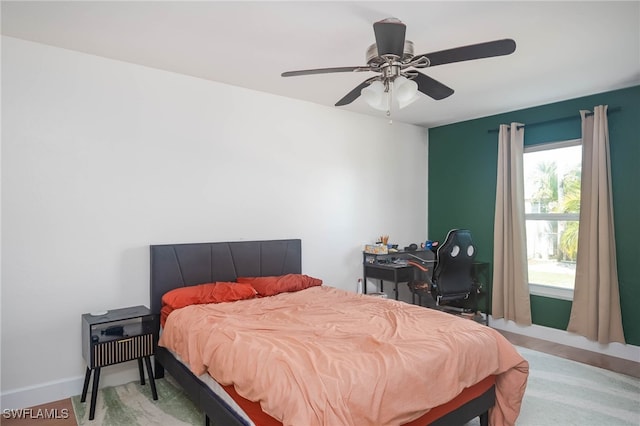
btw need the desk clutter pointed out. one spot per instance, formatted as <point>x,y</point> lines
<point>388,261</point>
<point>382,246</point>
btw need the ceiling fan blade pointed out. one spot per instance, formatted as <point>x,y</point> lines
<point>473,51</point>
<point>324,71</point>
<point>390,35</point>
<point>432,88</point>
<point>354,94</point>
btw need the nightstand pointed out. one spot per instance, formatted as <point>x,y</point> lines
<point>113,337</point>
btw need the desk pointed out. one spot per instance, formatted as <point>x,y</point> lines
<point>381,267</point>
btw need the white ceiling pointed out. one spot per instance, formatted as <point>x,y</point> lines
<point>564,49</point>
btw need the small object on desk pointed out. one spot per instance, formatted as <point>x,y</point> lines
<point>376,249</point>
<point>399,262</point>
<point>379,294</point>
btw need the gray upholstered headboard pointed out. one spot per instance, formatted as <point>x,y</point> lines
<point>181,265</point>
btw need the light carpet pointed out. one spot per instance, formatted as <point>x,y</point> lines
<point>564,392</point>
<point>132,405</point>
<point>559,392</point>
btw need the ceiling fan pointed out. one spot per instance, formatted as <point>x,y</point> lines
<point>399,80</point>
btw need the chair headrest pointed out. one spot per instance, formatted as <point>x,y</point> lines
<point>458,243</point>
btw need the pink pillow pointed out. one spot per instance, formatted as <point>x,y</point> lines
<point>269,286</point>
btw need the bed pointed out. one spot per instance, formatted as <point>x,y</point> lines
<point>494,397</point>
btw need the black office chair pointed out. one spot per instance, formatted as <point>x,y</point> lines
<point>453,279</point>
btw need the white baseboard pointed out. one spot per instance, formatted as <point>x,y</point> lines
<point>618,350</point>
<point>66,388</point>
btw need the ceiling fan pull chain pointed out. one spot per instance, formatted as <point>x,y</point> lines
<point>389,97</point>
<point>389,102</point>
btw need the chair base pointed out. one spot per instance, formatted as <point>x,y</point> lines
<point>428,301</point>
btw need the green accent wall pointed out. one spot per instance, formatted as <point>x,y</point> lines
<point>462,186</point>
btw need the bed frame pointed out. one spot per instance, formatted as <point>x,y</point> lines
<point>181,265</point>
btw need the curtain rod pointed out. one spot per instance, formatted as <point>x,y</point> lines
<point>555,120</point>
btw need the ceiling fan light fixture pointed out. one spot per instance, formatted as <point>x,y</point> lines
<point>406,91</point>
<point>375,96</point>
<point>402,92</point>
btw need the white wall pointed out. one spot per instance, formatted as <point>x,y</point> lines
<point>101,158</point>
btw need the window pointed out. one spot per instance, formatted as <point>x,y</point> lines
<point>552,207</point>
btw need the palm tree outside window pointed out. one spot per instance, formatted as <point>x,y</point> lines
<point>552,207</point>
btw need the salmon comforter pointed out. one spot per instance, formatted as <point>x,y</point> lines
<point>324,356</point>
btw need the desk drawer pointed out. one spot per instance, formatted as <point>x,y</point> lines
<point>121,350</point>
<point>389,273</point>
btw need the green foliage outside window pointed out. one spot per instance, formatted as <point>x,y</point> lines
<point>554,195</point>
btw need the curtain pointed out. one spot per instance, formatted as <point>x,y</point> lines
<point>595,312</point>
<point>510,298</point>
